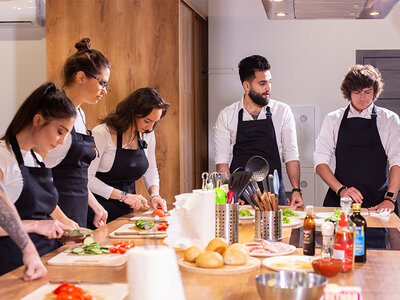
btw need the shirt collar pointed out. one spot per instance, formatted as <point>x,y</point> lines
<point>263,109</point>
<point>364,113</point>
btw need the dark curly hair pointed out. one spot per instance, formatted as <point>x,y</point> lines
<point>360,77</point>
<point>86,59</point>
<point>248,65</point>
<point>139,104</point>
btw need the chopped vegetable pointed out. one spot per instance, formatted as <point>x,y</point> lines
<point>285,220</point>
<point>80,232</point>
<point>163,226</point>
<point>245,213</point>
<point>143,223</point>
<point>335,216</point>
<point>121,247</point>
<point>289,213</point>
<point>71,291</point>
<point>86,248</point>
<point>159,212</point>
<point>88,240</point>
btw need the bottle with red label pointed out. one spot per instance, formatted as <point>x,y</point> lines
<point>309,232</point>
<point>343,244</point>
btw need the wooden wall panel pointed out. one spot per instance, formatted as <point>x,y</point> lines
<point>140,38</point>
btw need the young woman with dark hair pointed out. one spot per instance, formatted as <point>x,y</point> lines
<point>41,122</point>
<point>126,144</point>
<point>86,75</point>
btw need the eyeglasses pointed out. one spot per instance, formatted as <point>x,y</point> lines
<point>102,82</point>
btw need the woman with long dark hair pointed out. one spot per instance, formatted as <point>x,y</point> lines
<point>126,144</point>
<point>42,122</point>
<point>86,75</point>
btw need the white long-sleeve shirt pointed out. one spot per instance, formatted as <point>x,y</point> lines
<point>56,155</point>
<point>388,124</point>
<point>12,177</point>
<point>104,161</point>
<point>225,129</point>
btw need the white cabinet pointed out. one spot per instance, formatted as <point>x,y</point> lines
<point>307,185</point>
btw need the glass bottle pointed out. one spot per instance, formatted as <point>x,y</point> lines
<point>360,250</point>
<point>346,205</point>
<point>327,230</point>
<point>309,232</point>
<point>343,244</point>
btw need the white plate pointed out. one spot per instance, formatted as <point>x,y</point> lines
<point>295,263</point>
<point>301,214</point>
<point>249,217</point>
<point>290,250</point>
<point>293,222</point>
<point>324,215</point>
<point>319,222</point>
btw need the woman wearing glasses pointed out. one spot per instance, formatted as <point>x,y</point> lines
<point>42,121</point>
<point>86,75</point>
<point>126,144</point>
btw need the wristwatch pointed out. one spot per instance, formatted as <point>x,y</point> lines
<point>123,196</point>
<point>389,195</point>
<point>298,190</point>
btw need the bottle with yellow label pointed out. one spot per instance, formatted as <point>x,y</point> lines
<point>360,251</point>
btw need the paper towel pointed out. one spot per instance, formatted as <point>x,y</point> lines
<point>192,221</point>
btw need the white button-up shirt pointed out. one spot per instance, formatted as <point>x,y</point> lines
<point>388,124</point>
<point>104,161</point>
<point>225,129</point>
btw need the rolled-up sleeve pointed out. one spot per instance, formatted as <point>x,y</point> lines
<point>290,150</point>
<point>222,139</point>
<point>151,177</point>
<point>393,141</point>
<point>326,142</point>
<point>96,186</point>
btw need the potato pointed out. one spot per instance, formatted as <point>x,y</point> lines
<point>209,259</point>
<point>191,253</point>
<point>236,254</point>
<point>217,245</point>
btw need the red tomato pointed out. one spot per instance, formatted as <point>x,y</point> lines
<point>87,297</point>
<point>60,288</point>
<point>122,250</point>
<point>113,250</point>
<point>159,212</point>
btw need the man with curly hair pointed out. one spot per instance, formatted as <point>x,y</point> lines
<point>365,140</point>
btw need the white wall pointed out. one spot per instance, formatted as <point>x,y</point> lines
<point>309,57</point>
<point>22,67</point>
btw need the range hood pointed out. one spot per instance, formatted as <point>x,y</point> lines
<point>328,9</point>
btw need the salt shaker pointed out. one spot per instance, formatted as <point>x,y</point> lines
<point>327,230</point>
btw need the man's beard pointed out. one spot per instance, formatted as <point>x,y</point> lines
<point>258,98</point>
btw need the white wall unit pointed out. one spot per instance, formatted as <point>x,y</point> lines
<point>307,185</point>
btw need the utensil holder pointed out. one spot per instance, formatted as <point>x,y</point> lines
<point>227,222</point>
<point>268,225</point>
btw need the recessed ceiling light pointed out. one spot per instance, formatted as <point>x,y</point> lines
<point>277,0</point>
<point>374,13</point>
<point>281,14</point>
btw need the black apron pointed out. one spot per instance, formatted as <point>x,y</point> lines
<point>71,177</point>
<point>129,165</point>
<point>361,161</point>
<point>37,200</point>
<point>257,137</point>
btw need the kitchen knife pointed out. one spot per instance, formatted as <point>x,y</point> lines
<point>271,183</point>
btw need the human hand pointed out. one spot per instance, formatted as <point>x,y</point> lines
<point>72,223</point>
<point>296,200</point>
<point>136,201</point>
<point>353,193</point>
<point>385,205</point>
<point>159,202</point>
<point>34,266</point>
<point>100,217</point>
<point>51,229</point>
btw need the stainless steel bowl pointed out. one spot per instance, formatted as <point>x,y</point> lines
<point>290,285</point>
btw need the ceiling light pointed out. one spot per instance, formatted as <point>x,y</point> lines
<point>374,13</point>
<point>281,14</point>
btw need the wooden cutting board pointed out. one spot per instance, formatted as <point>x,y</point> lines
<point>252,264</point>
<point>129,231</point>
<point>70,259</point>
<point>112,291</point>
<point>148,215</point>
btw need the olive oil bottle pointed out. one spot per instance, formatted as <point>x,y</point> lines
<point>309,232</point>
<point>360,250</point>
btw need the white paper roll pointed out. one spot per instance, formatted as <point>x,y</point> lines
<point>153,273</point>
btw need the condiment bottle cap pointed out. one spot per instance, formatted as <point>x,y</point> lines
<point>343,222</point>
<point>327,228</point>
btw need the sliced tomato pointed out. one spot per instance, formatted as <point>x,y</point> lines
<point>122,250</point>
<point>159,212</point>
<point>113,249</point>
<point>87,297</point>
<point>61,288</point>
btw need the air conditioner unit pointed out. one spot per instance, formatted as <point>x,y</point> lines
<point>22,12</point>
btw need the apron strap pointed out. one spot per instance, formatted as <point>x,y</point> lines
<point>40,163</point>
<point>119,140</point>
<point>16,150</point>
<point>268,113</point>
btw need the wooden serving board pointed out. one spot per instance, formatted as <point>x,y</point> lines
<point>252,264</point>
<point>71,259</point>
<point>111,291</point>
<point>125,232</point>
<point>148,215</point>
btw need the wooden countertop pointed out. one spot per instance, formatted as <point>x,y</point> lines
<point>379,277</point>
